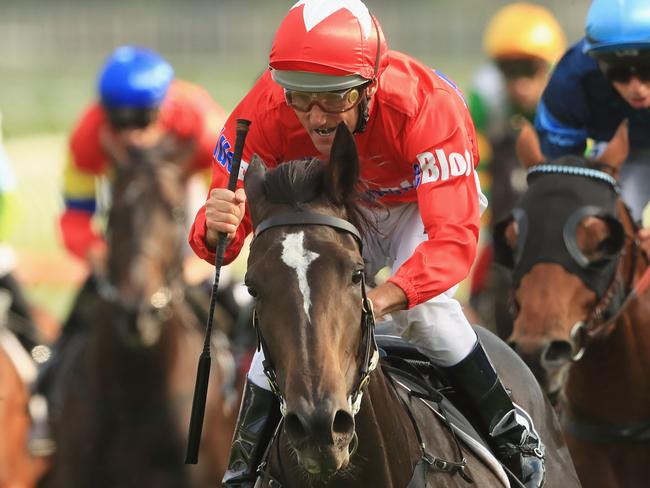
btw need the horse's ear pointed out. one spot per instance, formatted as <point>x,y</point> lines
<point>618,148</point>
<point>343,169</point>
<point>254,182</point>
<point>529,151</point>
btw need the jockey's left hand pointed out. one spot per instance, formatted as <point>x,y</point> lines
<point>97,257</point>
<point>386,298</point>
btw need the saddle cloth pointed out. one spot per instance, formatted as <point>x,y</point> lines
<point>411,370</point>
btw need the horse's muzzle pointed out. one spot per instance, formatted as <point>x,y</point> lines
<point>320,437</point>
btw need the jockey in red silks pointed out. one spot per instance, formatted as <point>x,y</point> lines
<point>330,63</point>
<point>139,103</point>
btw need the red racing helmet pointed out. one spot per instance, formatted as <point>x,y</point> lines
<point>327,45</point>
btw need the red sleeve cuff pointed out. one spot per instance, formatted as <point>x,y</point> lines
<point>201,249</point>
<point>408,289</point>
<point>77,232</point>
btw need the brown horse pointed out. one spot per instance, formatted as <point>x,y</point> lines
<point>315,325</point>
<point>17,467</point>
<point>123,414</point>
<point>582,319</point>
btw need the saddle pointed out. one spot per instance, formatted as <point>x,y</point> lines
<point>411,367</point>
<point>414,375</point>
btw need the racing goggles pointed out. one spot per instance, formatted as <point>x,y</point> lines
<point>623,71</point>
<point>130,118</point>
<point>515,68</point>
<point>332,102</point>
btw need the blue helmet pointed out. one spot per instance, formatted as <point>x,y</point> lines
<point>618,25</point>
<point>134,77</point>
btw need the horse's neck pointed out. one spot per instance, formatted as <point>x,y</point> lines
<point>135,362</point>
<point>612,380</point>
<point>386,434</point>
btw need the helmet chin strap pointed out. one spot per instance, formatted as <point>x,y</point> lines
<point>364,114</point>
<point>364,104</point>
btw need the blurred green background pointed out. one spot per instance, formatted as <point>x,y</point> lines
<point>50,51</point>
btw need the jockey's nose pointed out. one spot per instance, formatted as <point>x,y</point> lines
<point>317,116</point>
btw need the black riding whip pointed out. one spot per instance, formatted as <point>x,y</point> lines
<point>203,370</point>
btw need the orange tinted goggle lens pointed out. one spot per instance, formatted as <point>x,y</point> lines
<point>330,102</point>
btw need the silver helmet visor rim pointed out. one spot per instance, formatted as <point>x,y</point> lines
<point>314,82</point>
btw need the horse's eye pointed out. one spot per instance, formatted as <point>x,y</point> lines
<point>599,238</point>
<point>357,276</point>
<point>252,291</point>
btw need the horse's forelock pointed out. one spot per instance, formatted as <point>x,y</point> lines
<point>294,182</point>
<point>300,182</point>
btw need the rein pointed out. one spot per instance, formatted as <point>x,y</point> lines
<point>583,331</point>
<point>368,344</point>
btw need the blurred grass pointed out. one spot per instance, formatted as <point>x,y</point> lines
<point>44,98</point>
<point>47,97</point>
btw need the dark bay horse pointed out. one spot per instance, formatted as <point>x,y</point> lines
<point>123,414</point>
<point>582,318</point>
<point>306,273</point>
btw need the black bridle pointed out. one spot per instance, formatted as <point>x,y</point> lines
<point>368,345</point>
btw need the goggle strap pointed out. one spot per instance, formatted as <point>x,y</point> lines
<point>374,21</point>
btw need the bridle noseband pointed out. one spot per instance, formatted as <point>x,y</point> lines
<point>368,344</point>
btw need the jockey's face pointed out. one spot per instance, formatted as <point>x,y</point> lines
<point>321,125</point>
<point>630,76</point>
<point>134,127</point>
<point>635,92</point>
<point>139,137</point>
<point>525,80</point>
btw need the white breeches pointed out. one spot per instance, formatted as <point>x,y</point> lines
<point>439,324</point>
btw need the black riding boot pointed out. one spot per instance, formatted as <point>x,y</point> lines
<point>509,428</point>
<point>258,417</point>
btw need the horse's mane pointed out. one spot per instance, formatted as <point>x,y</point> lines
<point>141,188</point>
<point>300,182</point>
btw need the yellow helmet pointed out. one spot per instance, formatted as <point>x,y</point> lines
<point>524,29</point>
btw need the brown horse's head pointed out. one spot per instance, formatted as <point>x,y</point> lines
<point>307,283</point>
<point>563,242</point>
<point>145,237</point>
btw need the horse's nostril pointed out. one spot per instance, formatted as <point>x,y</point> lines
<point>558,351</point>
<point>294,428</point>
<point>513,345</point>
<point>343,423</point>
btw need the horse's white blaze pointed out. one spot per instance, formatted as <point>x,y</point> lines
<point>297,257</point>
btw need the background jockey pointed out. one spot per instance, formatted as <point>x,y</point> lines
<point>523,41</point>
<point>140,103</point>
<point>330,63</point>
<point>18,316</point>
<point>601,81</point>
